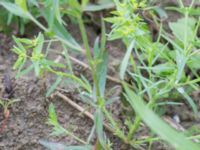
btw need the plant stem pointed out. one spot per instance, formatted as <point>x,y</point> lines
<point>85,40</point>
<point>181,3</point>
<point>88,55</point>
<point>75,137</point>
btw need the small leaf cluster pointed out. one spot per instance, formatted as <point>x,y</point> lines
<point>32,50</point>
<point>126,23</point>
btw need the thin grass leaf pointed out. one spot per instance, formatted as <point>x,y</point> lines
<point>96,48</point>
<point>37,68</point>
<point>125,60</point>
<point>21,67</point>
<point>52,63</point>
<point>92,132</point>
<point>20,46</point>
<point>102,72</point>
<point>189,99</point>
<point>15,9</point>
<point>59,146</point>
<point>25,71</point>
<point>103,36</point>
<point>181,61</point>
<point>191,11</point>
<point>98,120</point>
<point>53,86</point>
<point>161,12</point>
<point>101,55</point>
<point>40,43</point>
<point>99,7</point>
<point>62,33</point>
<point>177,140</point>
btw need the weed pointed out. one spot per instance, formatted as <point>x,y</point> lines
<point>6,103</point>
<point>160,71</point>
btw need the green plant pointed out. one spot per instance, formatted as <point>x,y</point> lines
<point>159,70</point>
<point>42,65</point>
<point>6,103</point>
<point>159,73</point>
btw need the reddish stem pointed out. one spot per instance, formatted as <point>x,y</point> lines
<point>6,115</point>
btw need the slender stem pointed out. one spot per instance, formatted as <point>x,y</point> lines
<point>181,3</point>
<point>38,23</point>
<point>88,55</point>
<point>85,40</point>
<point>192,3</point>
<point>75,137</point>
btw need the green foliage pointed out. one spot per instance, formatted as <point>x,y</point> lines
<point>177,140</point>
<point>57,128</point>
<point>126,23</point>
<point>7,103</point>
<point>22,4</point>
<point>55,146</point>
<point>39,62</point>
<point>158,73</point>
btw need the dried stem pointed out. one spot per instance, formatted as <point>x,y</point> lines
<point>81,109</point>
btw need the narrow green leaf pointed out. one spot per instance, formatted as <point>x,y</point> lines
<point>40,42</point>
<point>53,64</point>
<point>53,86</point>
<point>15,9</point>
<point>103,36</point>
<point>36,67</point>
<point>22,4</point>
<point>62,33</point>
<point>25,71</point>
<point>99,7</point>
<point>98,120</point>
<point>177,140</point>
<point>96,48</point>
<point>18,42</point>
<point>191,11</point>
<point>125,60</point>
<point>181,62</point>
<point>189,99</point>
<point>58,146</point>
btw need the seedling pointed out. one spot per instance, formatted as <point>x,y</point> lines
<point>6,103</point>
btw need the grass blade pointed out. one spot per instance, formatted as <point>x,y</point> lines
<point>168,134</point>
<point>58,146</point>
<point>53,87</point>
<point>188,98</point>
<point>125,61</point>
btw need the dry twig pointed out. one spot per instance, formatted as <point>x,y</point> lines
<point>81,109</point>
